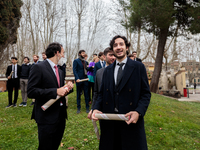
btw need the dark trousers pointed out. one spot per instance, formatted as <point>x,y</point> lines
<point>12,83</point>
<point>50,135</point>
<point>79,87</point>
<point>90,87</point>
<point>114,144</point>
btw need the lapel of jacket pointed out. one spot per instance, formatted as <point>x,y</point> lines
<point>99,64</point>
<point>111,77</point>
<point>80,63</point>
<point>128,69</point>
<point>51,71</point>
<point>60,75</point>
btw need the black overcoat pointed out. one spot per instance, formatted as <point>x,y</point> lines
<point>133,95</point>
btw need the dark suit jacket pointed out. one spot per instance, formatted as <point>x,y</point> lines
<point>134,95</point>
<point>63,68</point>
<point>138,59</point>
<point>97,85</point>
<point>97,67</point>
<point>42,86</point>
<point>9,70</point>
<point>78,69</point>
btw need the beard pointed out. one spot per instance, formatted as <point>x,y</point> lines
<point>119,57</point>
<point>82,57</point>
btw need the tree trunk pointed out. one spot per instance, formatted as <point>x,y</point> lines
<point>138,42</point>
<point>79,32</point>
<point>159,59</point>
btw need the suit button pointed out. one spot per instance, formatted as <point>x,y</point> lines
<point>107,89</point>
<point>129,90</point>
<point>131,103</point>
<point>117,93</point>
<point>106,103</point>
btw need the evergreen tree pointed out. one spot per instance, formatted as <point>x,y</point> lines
<point>9,22</point>
<point>162,17</point>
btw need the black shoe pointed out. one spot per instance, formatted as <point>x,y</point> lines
<point>78,111</point>
<point>22,103</point>
<point>25,104</point>
<point>32,103</point>
<point>14,105</point>
<point>9,106</point>
<point>87,111</point>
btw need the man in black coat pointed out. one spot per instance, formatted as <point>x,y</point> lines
<point>124,90</point>
<point>13,81</point>
<point>46,81</point>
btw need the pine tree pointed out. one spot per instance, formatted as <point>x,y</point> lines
<point>162,17</point>
<point>9,22</point>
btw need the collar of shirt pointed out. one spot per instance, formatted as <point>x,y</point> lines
<point>52,65</point>
<point>101,62</point>
<point>124,61</point>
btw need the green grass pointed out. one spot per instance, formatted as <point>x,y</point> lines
<point>170,125</point>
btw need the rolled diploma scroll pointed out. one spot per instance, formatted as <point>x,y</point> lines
<point>11,74</point>
<point>120,117</point>
<point>50,102</point>
<point>83,80</point>
<point>96,129</point>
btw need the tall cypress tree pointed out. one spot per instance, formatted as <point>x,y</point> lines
<point>162,17</point>
<point>9,22</point>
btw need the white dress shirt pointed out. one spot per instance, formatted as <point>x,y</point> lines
<point>101,62</point>
<point>52,65</point>
<point>15,71</point>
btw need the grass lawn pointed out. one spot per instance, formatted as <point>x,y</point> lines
<point>169,125</point>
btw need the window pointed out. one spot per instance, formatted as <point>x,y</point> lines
<point>194,80</point>
<point>198,80</point>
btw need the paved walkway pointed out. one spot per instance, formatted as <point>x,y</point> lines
<point>192,98</point>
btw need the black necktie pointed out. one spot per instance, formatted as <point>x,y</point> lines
<point>14,71</point>
<point>120,73</point>
<point>102,64</point>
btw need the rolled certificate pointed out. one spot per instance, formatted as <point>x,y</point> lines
<point>83,80</point>
<point>120,117</point>
<point>11,74</point>
<point>50,102</point>
<point>96,129</point>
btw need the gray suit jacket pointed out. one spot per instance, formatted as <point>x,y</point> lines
<point>97,85</point>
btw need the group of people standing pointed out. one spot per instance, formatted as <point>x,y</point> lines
<point>18,77</point>
<point>83,70</point>
<point>120,87</point>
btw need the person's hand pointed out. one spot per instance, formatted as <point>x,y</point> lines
<point>78,80</point>
<point>62,91</point>
<point>90,115</point>
<point>93,114</point>
<point>133,117</point>
<point>69,85</point>
<point>9,77</point>
<point>92,66</point>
